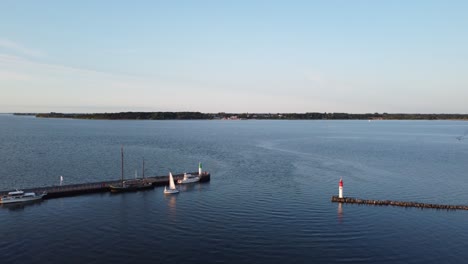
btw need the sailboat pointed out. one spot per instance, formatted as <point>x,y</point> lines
<point>131,185</point>
<point>172,189</point>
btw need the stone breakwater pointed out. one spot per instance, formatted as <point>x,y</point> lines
<point>351,200</point>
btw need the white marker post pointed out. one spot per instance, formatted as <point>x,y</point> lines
<point>199,168</point>
<point>61,180</point>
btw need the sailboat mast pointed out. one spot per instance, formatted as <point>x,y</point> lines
<point>122,161</point>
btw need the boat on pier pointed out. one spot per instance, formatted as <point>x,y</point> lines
<point>130,185</point>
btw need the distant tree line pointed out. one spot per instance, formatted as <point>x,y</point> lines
<point>131,115</point>
<point>222,115</point>
<point>25,114</point>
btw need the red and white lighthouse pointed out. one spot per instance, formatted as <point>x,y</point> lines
<point>340,189</point>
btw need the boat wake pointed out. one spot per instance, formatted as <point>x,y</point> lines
<point>462,137</point>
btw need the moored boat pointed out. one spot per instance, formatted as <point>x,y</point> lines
<point>130,185</point>
<point>189,178</point>
<point>20,196</point>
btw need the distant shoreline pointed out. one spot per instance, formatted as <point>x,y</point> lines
<point>247,116</point>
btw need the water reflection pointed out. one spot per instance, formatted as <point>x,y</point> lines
<point>340,212</point>
<point>189,187</point>
<point>193,187</point>
<point>172,204</point>
<point>21,206</point>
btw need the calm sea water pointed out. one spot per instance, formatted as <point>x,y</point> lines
<point>268,200</point>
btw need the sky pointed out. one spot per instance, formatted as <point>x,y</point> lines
<point>234,56</point>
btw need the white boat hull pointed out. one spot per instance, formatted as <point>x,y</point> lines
<point>170,191</point>
<point>9,200</point>
<point>191,180</point>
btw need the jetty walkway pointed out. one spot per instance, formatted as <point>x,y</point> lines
<point>351,200</point>
<point>103,186</point>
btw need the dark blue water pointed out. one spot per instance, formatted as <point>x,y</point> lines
<point>268,200</point>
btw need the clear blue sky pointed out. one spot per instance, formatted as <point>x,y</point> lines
<point>234,56</point>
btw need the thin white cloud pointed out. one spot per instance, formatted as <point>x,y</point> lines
<point>23,64</point>
<point>29,85</point>
<point>13,76</point>
<point>16,47</point>
<point>314,76</point>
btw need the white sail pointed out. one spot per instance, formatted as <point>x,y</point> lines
<point>171,182</point>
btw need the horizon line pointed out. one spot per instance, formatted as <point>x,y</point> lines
<point>221,112</point>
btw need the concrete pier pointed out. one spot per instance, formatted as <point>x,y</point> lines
<point>103,186</point>
<point>351,200</point>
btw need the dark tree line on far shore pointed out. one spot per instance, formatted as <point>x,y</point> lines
<point>235,116</point>
<point>131,115</point>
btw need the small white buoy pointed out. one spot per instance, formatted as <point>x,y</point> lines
<point>61,180</point>
<point>340,189</point>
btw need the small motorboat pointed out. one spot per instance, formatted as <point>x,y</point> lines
<point>189,178</point>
